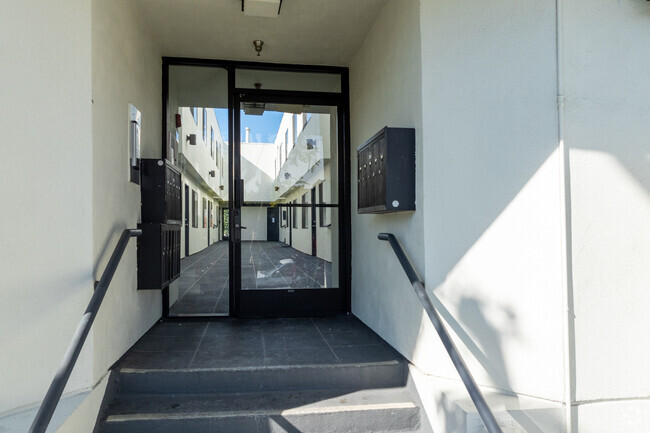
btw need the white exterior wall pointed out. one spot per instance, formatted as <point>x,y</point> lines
<point>254,219</point>
<point>487,157</point>
<point>385,90</point>
<point>495,261</point>
<point>199,234</point>
<point>493,203</point>
<point>46,257</point>
<point>126,51</point>
<point>607,123</point>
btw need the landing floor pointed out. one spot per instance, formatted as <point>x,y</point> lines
<point>230,343</point>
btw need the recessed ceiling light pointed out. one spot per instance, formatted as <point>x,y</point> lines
<point>261,8</point>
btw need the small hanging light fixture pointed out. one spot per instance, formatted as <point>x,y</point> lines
<point>258,44</point>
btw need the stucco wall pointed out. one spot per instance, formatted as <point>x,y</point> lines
<point>385,90</point>
<point>46,257</point>
<point>493,203</point>
<point>492,221</point>
<point>126,67</point>
<point>607,112</point>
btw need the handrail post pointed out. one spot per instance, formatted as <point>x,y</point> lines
<point>53,395</point>
<point>468,380</point>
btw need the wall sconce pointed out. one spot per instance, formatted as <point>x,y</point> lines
<point>287,176</point>
<point>212,173</point>
<point>221,187</point>
<point>311,143</point>
<point>191,139</point>
<point>277,188</point>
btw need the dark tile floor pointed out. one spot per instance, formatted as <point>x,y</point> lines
<point>203,284</point>
<point>204,281</point>
<point>230,343</point>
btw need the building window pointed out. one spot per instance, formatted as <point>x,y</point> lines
<point>212,142</point>
<point>205,126</point>
<point>304,210</point>
<point>195,114</point>
<point>205,213</point>
<point>294,218</point>
<point>195,210</point>
<point>286,138</point>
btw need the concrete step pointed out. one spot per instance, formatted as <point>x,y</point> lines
<point>369,410</point>
<point>384,374</point>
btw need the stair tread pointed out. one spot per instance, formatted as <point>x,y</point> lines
<point>175,406</point>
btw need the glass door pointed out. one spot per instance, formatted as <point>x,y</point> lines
<point>197,131</point>
<point>286,210</point>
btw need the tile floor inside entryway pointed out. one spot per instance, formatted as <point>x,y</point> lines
<point>203,286</point>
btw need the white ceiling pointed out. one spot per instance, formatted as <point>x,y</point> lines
<point>323,32</point>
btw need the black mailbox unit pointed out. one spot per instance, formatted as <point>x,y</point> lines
<point>386,172</point>
<point>161,192</point>
<point>159,246</point>
<point>159,255</point>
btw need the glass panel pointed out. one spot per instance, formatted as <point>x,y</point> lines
<point>289,218</point>
<point>281,80</point>
<point>197,123</point>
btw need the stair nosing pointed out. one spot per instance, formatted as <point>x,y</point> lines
<point>284,412</point>
<point>130,370</point>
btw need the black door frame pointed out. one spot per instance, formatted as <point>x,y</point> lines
<point>235,97</point>
<point>187,220</point>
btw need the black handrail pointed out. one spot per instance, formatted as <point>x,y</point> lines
<point>62,375</point>
<point>474,392</point>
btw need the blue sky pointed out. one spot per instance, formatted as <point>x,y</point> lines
<point>264,128</point>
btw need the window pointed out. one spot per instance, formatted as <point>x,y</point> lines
<point>294,223</point>
<point>195,115</point>
<point>304,210</point>
<point>212,142</point>
<point>205,213</point>
<point>216,151</point>
<point>205,126</point>
<point>195,210</point>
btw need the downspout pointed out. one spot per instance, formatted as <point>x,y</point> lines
<point>565,204</point>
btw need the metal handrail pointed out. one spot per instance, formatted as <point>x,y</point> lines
<point>51,400</point>
<point>472,388</point>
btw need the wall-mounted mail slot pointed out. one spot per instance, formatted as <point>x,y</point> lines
<point>161,192</point>
<point>386,172</point>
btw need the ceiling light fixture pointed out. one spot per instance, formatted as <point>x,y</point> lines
<point>261,8</point>
<point>258,44</point>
